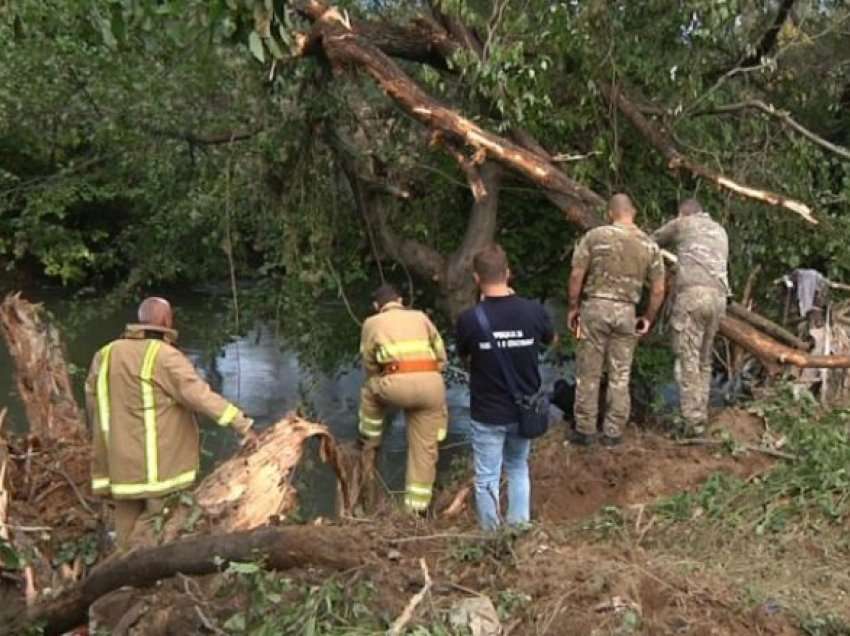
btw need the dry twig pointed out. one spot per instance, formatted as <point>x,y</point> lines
<point>406,616</point>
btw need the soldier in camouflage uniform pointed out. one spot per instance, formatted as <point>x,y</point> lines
<point>610,266</point>
<point>701,288</point>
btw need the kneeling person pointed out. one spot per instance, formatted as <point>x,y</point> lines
<point>403,356</point>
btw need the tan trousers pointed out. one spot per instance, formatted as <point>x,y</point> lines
<point>422,397</point>
<point>134,522</point>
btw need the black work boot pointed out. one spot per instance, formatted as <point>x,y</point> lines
<point>611,442</point>
<point>577,438</point>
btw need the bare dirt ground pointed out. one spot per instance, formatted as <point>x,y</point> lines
<point>598,560</point>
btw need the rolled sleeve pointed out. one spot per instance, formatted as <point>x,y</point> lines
<point>581,253</point>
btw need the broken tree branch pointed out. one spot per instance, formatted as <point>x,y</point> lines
<point>660,140</point>
<point>279,548</point>
<point>769,350</point>
<point>782,115</point>
<point>771,36</point>
<point>344,47</point>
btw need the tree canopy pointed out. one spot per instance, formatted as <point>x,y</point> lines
<point>148,142</point>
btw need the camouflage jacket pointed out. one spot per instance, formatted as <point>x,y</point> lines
<point>703,250</point>
<point>619,259</point>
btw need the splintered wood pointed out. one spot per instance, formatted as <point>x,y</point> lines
<point>256,485</point>
<point>41,373</point>
<point>4,492</point>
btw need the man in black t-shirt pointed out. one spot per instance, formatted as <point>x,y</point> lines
<point>521,327</point>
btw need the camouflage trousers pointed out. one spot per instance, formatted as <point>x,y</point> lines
<point>696,318</point>
<point>607,343</point>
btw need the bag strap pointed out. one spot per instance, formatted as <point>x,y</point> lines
<point>505,363</point>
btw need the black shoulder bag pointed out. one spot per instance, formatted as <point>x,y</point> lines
<point>533,409</point>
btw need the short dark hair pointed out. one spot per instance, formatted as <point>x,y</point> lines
<point>690,206</point>
<point>491,264</point>
<point>386,293</point>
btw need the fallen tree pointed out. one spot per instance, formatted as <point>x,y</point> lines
<point>769,350</point>
<point>335,36</point>
<point>45,497</point>
<point>278,548</point>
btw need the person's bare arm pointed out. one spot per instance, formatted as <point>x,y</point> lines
<point>656,298</point>
<point>574,297</point>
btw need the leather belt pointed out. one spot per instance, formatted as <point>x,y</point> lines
<point>410,366</point>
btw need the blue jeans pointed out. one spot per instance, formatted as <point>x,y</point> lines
<point>491,445</point>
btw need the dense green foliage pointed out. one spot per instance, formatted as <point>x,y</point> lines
<point>145,143</point>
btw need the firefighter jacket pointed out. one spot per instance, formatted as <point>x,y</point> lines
<point>141,395</point>
<point>397,334</point>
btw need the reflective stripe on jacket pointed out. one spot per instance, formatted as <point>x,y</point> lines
<point>141,395</point>
<point>398,334</point>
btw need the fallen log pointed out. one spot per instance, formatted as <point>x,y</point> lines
<point>41,372</point>
<point>769,327</point>
<point>771,351</point>
<point>279,548</point>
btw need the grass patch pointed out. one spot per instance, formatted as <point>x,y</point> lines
<point>809,490</point>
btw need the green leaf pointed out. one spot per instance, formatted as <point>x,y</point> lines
<point>255,43</point>
<point>274,49</point>
<point>239,567</point>
<point>236,623</point>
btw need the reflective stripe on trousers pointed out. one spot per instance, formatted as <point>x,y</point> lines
<point>418,496</point>
<point>370,426</point>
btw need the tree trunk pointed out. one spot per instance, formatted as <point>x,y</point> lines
<point>459,286</point>
<point>768,326</point>
<point>767,349</point>
<point>279,549</point>
<point>41,373</point>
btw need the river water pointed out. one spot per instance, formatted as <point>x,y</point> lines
<point>262,375</point>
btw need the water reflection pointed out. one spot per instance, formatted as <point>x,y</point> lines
<point>267,380</point>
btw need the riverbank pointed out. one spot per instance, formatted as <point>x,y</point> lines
<point>732,534</point>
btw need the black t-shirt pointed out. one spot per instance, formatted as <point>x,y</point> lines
<point>520,326</point>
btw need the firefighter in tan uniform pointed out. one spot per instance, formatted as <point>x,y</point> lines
<point>403,356</point>
<point>141,395</point>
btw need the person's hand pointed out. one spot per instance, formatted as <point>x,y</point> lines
<point>250,441</point>
<point>573,320</point>
<point>642,326</point>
